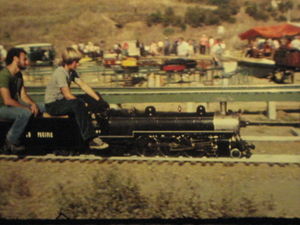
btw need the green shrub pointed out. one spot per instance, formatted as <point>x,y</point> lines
<point>212,18</point>
<point>257,12</point>
<point>264,11</point>
<point>219,2</point>
<point>169,17</point>
<point>195,17</point>
<point>285,6</point>
<point>154,18</point>
<point>118,196</point>
<point>109,197</point>
<point>168,31</point>
<point>281,18</point>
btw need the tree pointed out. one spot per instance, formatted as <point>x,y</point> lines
<point>169,17</point>
<point>285,6</point>
<point>195,17</point>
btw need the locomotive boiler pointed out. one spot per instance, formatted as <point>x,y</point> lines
<point>147,133</point>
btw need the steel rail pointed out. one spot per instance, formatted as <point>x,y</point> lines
<point>255,159</point>
<point>200,94</point>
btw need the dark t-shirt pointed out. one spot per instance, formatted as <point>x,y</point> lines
<point>13,83</point>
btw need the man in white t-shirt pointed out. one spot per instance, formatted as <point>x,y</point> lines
<point>182,47</point>
<point>296,43</point>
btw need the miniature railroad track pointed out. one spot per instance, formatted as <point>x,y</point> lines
<point>190,94</point>
<point>271,160</point>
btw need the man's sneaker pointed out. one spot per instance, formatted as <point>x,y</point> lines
<point>13,148</point>
<point>97,143</point>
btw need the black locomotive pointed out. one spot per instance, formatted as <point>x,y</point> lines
<point>145,133</point>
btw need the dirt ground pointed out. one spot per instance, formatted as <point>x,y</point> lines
<point>269,191</point>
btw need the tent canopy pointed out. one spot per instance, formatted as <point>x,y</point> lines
<point>276,31</point>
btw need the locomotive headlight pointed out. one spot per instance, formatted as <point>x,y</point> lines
<point>226,123</point>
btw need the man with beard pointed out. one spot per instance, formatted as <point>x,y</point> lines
<point>15,104</point>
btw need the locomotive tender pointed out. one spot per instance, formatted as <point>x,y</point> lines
<point>146,133</point>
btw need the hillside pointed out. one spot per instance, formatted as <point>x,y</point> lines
<point>65,22</point>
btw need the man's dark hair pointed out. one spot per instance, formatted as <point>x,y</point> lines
<point>12,53</point>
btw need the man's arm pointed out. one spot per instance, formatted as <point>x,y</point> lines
<point>67,93</point>
<point>25,97</point>
<point>8,100</point>
<point>87,89</point>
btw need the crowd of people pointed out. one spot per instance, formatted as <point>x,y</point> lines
<point>262,47</point>
<point>166,47</point>
<point>182,47</point>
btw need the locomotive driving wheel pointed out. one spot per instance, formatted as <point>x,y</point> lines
<point>235,153</point>
<point>149,146</point>
<point>142,148</point>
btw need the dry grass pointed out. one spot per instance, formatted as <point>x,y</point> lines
<point>113,196</point>
<point>64,22</point>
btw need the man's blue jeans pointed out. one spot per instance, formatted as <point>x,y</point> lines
<point>21,118</point>
<point>77,108</point>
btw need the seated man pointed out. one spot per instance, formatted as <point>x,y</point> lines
<point>60,100</point>
<point>12,91</point>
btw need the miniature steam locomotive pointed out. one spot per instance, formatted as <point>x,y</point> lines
<point>145,133</point>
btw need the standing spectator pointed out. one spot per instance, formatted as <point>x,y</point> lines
<point>81,47</point>
<point>251,50</point>
<point>203,44</point>
<point>174,47</point>
<point>296,43</point>
<point>268,48</point>
<point>125,47</point>
<point>211,42</point>
<point>142,49</point>
<point>2,56</point>
<point>217,52</point>
<point>3,53</point>
<point>160,47</point>
<point>117,49</point>
<point>191,51</point>
<point>276,43</point>
<point>285,42</point>
<point>220,30</point>
<point>167,46</point>
<point>101,48</point>
<point>195,45</point>
<point>182,47</point>
<point>153,49</point>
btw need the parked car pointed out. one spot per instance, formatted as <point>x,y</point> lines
<point>40,54</point>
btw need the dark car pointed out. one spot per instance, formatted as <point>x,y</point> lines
<point>40,54</point>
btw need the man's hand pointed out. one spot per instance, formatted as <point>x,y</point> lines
<point>103,104</point>
<point>34,109</point>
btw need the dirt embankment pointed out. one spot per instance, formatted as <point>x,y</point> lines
<point>91,190</point>
<point>66,22</point>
